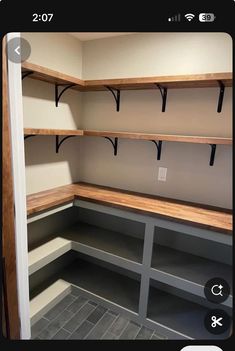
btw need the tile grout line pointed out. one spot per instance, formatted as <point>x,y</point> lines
<point>128,322</point>
<point>94,325</point>
<point>65,331</point>
<point>150,338</point>
<point>137,332</point>
<point>98,323</point>
<point>110,325</point>
<point>78,326</point>
<point>52,320</point>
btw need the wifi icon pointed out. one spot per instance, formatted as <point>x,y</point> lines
<point>189,16</point>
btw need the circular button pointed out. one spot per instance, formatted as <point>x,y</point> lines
<point>217,322</point>
<point>18,50</point>
<point>217,290</point>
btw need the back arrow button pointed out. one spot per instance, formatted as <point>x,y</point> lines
<point>17,50</point>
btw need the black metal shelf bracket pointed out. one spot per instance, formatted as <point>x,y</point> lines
<point>29,136</point>
<point>159,148</point>
<point>114,143</point>
<point>212,157</point>
<point>57,94</point>
<point>163,92</point>
<point>60,142</point>
<point>26,74</point>
<point>221,96</point>
<point>115,95</point>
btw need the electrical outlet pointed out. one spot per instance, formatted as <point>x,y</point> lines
<point>162,171</point>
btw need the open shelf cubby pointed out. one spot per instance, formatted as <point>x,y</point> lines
<point>189,262</point>
<point>190,267</point>
<point>92,276</point>
<point>109,246</point>
<point>183,315</point>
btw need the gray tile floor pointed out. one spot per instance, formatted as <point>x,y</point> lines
<point>76,317</point>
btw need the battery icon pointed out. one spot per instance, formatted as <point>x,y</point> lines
<point>206,17</point>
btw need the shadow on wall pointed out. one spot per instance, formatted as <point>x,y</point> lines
<point>42,150</point>
<point>45,168</point>
<point>40,110</point>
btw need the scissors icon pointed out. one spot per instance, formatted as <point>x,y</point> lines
<point>217,290</point>
<point>216,321</point>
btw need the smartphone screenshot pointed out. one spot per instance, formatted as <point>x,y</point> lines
<point>117,187</point>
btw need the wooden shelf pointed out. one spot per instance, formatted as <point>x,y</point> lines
<point>49,199</point>
<point>36,131</point>
<point>181,81</point>
<point>202,216</point>
<point>163,137</point>
<point>132,135</point>
<point>50,76</point>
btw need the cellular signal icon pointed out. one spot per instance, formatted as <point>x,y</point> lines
<point>175,18</point>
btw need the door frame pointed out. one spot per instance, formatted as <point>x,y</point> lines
<point>16,241</point>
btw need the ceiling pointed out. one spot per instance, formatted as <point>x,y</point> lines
<point>84,36</point>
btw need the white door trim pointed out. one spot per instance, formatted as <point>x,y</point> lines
<point>18,166</point>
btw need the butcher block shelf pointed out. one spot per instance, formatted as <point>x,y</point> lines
<point>180,81</point>
<point>163,137</point>
<point>50,76</point>
<point>36,131</point>
<point>206,217</point>
<point>132,135</point>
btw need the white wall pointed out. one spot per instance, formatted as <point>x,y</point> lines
<point>58,51</point>
<point>44,168</point>
<point>189,111</point>
<point>153,54</point>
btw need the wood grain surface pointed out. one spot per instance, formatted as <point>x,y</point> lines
<point>8,216</point>
<point>50,76</point>
<point>163,137</point>
<point>36,131</point>
<point>180,81</point>
<point>206,217</point>
<point>132,135</point>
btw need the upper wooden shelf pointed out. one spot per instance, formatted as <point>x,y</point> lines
<point>132,135</point>
<point>162,137</point>
<point>50,76</point>
<point>179,81</point>
<point>206,217</point>
<point>35,131</point>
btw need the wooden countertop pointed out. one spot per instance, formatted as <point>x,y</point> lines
<point>202,216</point>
